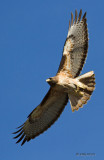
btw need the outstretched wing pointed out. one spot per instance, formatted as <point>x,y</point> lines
<point>42,117</point>
<point>76,46</point>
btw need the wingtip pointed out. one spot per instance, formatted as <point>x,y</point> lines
<point>20,126</point>
<point>81,10</point>
<point>17,131</point>
<point>20,134</point>
<point>75,16</point>
<point>84,16</point>
<point>23,142</point>
<point>80,14</point>
<point>20,138</point>
<point>71,18</point>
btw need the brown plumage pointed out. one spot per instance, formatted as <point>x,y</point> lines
<point>65,85</point>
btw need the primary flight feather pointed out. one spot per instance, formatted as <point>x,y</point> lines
<point>67,84</point>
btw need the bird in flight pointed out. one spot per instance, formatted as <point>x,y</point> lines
<point>65,85</point>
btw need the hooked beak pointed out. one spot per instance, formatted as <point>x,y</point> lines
<point>48,80</point>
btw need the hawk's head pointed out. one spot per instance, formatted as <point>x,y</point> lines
<point>52,81</point>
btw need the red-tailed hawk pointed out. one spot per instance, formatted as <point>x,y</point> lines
<point>67,84</point>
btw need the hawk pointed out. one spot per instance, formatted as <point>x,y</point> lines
<point>66,85</point>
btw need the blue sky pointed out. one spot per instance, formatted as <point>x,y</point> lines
<point>32,35</point>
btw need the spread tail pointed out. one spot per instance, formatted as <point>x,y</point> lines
<point>85,87</point>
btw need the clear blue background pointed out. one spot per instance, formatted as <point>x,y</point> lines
<point>32,35</point>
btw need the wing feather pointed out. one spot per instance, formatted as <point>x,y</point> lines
<point>71,18</point>
<point>76,47</point>
<point>42,117</point>
<point>75,17</point>
<point>80,14</point>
